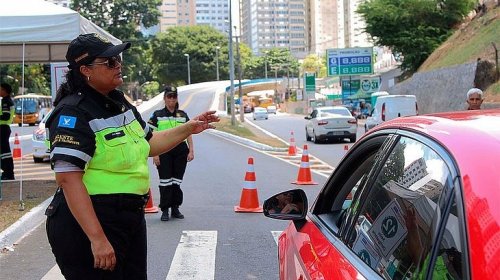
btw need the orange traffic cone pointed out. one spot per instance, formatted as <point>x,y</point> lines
<point>150,208</point>
<point>16,153</point>
<point>304,176</point>
<point>249,201</point>
<point>292,149</point>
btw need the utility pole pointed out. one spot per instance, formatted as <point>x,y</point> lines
<point>242,113</point>
<point>217,60</point>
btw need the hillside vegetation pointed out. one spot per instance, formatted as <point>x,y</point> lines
<point>473,40</point>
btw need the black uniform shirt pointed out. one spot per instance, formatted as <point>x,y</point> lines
<point>71,137</point>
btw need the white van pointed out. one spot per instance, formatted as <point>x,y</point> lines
<point>388,107</point>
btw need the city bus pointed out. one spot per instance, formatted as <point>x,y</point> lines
<point>32,108</point>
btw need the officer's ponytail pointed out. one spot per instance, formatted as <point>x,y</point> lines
<point>74,81</point>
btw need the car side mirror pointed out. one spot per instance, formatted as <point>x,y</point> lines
<point>288,205</point>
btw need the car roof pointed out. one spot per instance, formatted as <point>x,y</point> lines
<point>331,107</point>
<point>473,139</point>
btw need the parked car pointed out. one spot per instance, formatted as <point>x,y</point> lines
<point>388,107</point>
<point>41,151</point>
<point>414,198</point>
<point>271,109</point>
<point>260,113</point>
<point>331,122</point>
<point>247,108</point>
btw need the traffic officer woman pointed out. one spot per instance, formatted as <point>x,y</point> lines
<point>172,164</point>
<point>99,151</point>
<point>6,119</point>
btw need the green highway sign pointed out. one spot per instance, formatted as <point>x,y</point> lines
<point>310,82</point>
<point>351,61</point>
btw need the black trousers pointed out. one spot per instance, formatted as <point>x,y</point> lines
<point>122,219</point>
<point>5,152</point>
<point>171,172</point>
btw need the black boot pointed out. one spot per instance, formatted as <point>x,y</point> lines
<point>176,213</point>
<point>164,215</point>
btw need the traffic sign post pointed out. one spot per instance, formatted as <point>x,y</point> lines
<point>351,61</point>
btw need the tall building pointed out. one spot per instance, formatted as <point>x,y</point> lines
<point>190,12</point>
<point>214,13</point>
<point>325,17</point>
<point>177,13</point>
<point>351,26</point>
<point>335,24</point>
<point>276,23</point>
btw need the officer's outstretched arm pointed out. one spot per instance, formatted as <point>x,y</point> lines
<point>165,140</point>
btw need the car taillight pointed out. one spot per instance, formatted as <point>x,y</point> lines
<point>383,112</point>
<point>322,122</point>
<point>352,121</point>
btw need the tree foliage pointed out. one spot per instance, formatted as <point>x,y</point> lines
<point>414,28</point>
<point>36,78</point>
<point>121,18</point>
<point>200,43</point>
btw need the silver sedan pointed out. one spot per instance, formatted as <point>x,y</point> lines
<point>331,122</point>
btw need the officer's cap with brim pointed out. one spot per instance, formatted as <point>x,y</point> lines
<point>87,47</point>
<point>170,90</point>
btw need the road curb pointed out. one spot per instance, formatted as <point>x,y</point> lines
<point>23,227</point>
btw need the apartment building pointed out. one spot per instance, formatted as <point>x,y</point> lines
<point>267,24</point>
<point>194,12</point>
<point>325,17</point>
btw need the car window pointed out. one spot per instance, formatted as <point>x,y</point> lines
<point>450,260</point>
<point>337,111</point>
<point>398,212</point>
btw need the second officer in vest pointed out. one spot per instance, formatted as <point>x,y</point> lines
<point>171,165</point>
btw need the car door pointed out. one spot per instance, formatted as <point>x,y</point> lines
<point>381,212</point>
<point>314,250</point>
<point>403,211</point>
<point>310,122</point>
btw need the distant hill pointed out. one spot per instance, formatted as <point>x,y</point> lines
<point>474,39</point>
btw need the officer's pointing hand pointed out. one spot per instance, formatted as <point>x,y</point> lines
<point>203,121</point>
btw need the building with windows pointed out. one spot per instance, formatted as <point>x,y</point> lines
<point>189,12</point>
<point>214,13</point>
<point>267,24</point>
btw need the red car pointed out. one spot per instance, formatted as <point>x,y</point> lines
<point>415,198</point>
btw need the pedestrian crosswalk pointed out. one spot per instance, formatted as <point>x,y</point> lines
<point>26,169</point>
<point>194,257</point>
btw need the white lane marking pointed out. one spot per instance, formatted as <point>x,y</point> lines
<point>195,256</point>
<point>276,235</point>
<point>53,274</point>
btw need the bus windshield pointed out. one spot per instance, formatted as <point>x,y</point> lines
<point>26,106</point>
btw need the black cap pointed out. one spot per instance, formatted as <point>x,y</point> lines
<point>170,89</point>
<point>86,47</point>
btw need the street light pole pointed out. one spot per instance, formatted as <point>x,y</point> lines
<point>217,60</point>
<point>189,70</point>
<point>265,63</point>
<point>242,116</point>
<point>231,66</point>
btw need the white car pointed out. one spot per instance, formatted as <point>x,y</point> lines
<point>271,109</point>
<point>260,113</point>
<point>40,150</point>
<point>388,107</point>
<point>331,122</point>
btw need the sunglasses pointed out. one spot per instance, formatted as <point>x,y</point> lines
<point>171,95</point>
<point>111,62</point>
